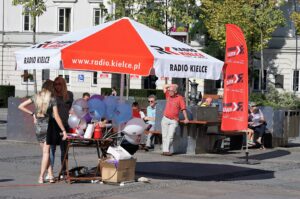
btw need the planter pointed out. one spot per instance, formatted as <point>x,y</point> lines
<point>282,123</point>
<point>19,124</point>
<point>5,92</point>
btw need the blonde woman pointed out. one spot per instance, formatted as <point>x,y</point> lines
<point>45,106</point>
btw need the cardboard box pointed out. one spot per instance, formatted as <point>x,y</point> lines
<point>121,171</point>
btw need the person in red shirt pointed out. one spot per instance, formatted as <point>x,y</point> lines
<point>175,103</point>
<point>136,111</point>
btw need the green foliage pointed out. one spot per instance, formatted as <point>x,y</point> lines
<point>181,29</point>
<point>295,16</point>
<point>147,12</point>
<point>214,49</point>
<point>153,13</point>
<point>253,16</point>
<point>123,8</point>
<point>183,12</point>
<point>276,99</point>
<point>34,7</point>
<point>198,28</point>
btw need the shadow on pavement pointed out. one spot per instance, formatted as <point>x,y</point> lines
<point>6,180</point>
<point>199,171</point>
<point>292,145</point>
<point>268,155</point>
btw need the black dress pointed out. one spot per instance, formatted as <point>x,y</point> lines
<point>53,132</point>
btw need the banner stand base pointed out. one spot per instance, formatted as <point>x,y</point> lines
<point>247,161</point>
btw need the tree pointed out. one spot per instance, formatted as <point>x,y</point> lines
<point>184,12</point>
<point>152,14</point>
<point>148,12</point>
<point>257,18</point>
<point>296,19</point>
<point>34,8</point>
<point>122,8</point>
<point>295,16</point>
<point>250,15</point>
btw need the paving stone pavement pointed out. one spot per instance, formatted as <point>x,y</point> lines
<point>179,176</point>
<point>199,176</point>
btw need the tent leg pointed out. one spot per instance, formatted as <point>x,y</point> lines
<point>122,87</point>
<point>121,100</point>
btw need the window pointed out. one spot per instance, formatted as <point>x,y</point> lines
<point>256,77</point>
<point>27,76</point>
<point>296,80</point>
<point>97,16</point>
<point>27,22</point>
<point>115,80</point>
<point>219,83</point>
<point>45,74</point>
<point>278,81</point>
<point>65,74</point>
<point>64,19</point>
<point>95,78</point>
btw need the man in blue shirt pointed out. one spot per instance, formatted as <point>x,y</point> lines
<point>150,119</point>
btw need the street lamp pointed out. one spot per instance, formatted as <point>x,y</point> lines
<point>194,93</point>
<point>261,73</point>
<point>166,13</point>
<point>296,57</point>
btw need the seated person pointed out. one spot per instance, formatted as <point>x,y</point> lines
<point>206,103</point>
<point>250,132</point>
<point>257,123</point>
<point>150,119</point>
<point>250,137</point>
<point>136,111</point>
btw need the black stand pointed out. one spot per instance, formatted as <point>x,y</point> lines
<point>247,161</point>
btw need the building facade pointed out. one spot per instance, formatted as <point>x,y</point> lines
<point>281,59</point>
<point>61,17</point>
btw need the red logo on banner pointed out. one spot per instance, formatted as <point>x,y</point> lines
<point>235,100</point>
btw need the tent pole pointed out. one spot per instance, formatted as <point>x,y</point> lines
<point>127,86</point>
<point>187,91</point>
<point>121,100</point>
<point>122,87</point>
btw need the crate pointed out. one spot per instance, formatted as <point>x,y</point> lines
<point>118,171</point>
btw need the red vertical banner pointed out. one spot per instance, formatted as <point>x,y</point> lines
<point>235,100</point>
